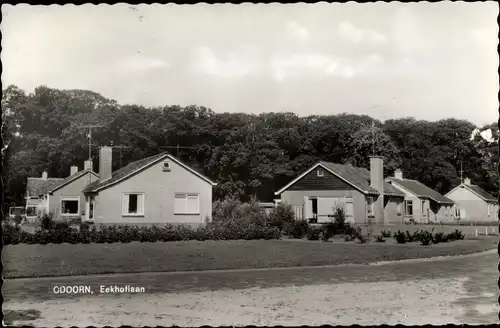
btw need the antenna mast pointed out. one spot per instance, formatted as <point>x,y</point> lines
<point>89,135</point>
<point>373,138</point>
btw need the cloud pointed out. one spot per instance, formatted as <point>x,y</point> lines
<point>348,31</point>
<point>140,63</point>
<point>307,63</point>
<point>234,65</point>
<point>297,31</point>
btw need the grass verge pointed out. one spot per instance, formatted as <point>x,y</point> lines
<point>67,259</point>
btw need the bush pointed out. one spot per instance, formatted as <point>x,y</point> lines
<point>400,237</point>
<point>439,237</point>
<point>281,215</point>
<point>425,238</point>
<point>386,234</point>
<point>47,222</point>
<point>327,232</point>
<point>456,235</point>
<point>313,232</point>
<point>380,239</point>
<point>297,229</point>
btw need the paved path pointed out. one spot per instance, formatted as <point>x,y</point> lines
<point>455,290</point>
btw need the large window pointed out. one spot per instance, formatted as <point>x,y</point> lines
<point>133,204</point>
<point>31,211</point>
<point>70,205</point>
<point>369,205</point>
<point>185,203</point>
<point>409,207</point>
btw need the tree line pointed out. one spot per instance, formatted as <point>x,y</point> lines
<point>248,155</point>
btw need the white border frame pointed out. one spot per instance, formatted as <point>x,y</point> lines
<point>63,198</point>
<point>143,204</point>
<point>187,194</point>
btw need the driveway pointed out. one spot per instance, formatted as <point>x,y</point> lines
<point>454,290</point>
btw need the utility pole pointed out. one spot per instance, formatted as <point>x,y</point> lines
<point>461,173</point>
<point>89,135</point>
<point>373,138</point>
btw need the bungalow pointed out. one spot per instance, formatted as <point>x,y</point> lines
<point>363,194</point>
<point>155,190</point>
<point>36,195</point>
<point>60,196</point>
<point>422,204</point>
<point>473,203</point>
<point>66,199</point>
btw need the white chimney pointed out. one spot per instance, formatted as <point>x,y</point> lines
<point>88,165</point>
<point>398,174</point>
<point>44,175</point>
<point>105,161</point>
<point>467,181</point>
<point>73,170</point>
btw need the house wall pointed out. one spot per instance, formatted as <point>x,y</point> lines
<point>159,189</point>
<point>417,210</point>
<point>391,210</point>
<point>296,198</point>
<point>472,208</point>
<point>73,189</point>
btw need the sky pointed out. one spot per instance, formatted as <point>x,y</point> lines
<point>387,60</point>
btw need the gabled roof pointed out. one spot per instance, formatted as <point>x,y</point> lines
<point>357,177</point>
<point>70,179</point>
<point>136,167</point>
<point>39,186</point>
<point>480,192</point>
<point>421,190</point>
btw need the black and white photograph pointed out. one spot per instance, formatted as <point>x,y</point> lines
<point>250,164</point>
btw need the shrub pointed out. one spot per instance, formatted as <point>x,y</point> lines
<point>380,239</point>
<point>439,237</point>
<point>313,232</point>
<point>425,238</point>
<point>456,235</point>
<point>47,222</point>
<point>327,232</point>
<point>339,218</point>
<point>281,215</point>
<point>386,234</point>
<point>297,229</point>
<point>400,237</point>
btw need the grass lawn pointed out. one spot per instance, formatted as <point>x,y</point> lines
<point>67,259</point>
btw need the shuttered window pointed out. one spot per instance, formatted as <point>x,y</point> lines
<point>185,203</point>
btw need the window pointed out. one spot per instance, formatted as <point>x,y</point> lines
<point>369,205</point>
<point>133,204</point>
<point>320,172</point>
<point>409,207</point>
<point>70,205</point>
<point>31,210</point>
<point>91,208</point>
<point>166,166</point>
<point>185,203</point>
<point>422,208</point>
<point>457,211</point>
<point>399,208</point>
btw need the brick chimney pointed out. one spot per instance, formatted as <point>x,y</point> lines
<point>73,170</point>
<point>105,158</point>
<point>88,165</point>
<point>44,175</point>
<point>467,181</point>
<point>377,183</point>
<point>398,174</point>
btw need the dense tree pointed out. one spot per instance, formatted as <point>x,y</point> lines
<point>248,155</point>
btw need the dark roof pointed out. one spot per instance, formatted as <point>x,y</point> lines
<point>69,179</point>
<point>39,186</point>
<point>481,192</point>
<point>132,167</point>
<point>359,177</point>
<point>422,190</point>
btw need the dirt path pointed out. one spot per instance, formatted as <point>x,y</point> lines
<point>438,292</point>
